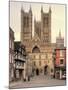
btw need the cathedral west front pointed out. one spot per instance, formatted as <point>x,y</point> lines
<point>39,47</point>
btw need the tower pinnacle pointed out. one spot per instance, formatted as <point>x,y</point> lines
<point>41,8</point>
<point>59,33</point>
<point>50,9</point>
<point>30,10</point>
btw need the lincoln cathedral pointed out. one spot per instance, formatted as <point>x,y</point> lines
<point>34,60</point>
<point>39,46</point>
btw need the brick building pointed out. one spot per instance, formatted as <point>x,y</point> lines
<point>60,57</point>
<point>60,62</point>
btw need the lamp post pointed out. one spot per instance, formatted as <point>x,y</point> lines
<point>54,62</point>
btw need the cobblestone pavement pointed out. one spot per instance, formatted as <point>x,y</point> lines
<point>38,81</point>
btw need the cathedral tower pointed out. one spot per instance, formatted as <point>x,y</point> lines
<point>46,26</point>
<point>26,25</point>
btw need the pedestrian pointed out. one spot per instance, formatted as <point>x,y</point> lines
<point>28,78</point>
<point>52,73</point>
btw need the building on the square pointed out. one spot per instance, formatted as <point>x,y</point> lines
<point>11,54</point>
<point>38,47</point>
<point>59,57</point>
<point>60,62</point>
<point>21,60</point>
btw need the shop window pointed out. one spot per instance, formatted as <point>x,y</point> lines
<point>61,53</point>
<point>61,61</point>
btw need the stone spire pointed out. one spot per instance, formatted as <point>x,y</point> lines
<point>60,33</point>
<point>41,8</point>
<point>22,9</point>
<point>50,9</point>
<point>30,10</point>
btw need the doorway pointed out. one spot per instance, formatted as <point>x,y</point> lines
<point>21,74</point>
<point>37,71</point>
<point>45,69</point>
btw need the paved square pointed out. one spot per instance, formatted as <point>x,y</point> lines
<point>37,81</point>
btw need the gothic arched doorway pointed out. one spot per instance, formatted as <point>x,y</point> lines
<point>36,59</point>
<point>45,69</point>
<point>37,71</point>
<point>35,50</point>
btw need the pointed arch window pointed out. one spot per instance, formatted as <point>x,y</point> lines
<point>36,50</point>
<point>45,21</point>
<point>26,21</point>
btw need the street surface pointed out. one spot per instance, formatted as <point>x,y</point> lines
<point>37,81</point>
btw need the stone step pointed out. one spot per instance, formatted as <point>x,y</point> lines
<point>40,77</point>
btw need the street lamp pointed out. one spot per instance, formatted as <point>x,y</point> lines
<point>54,62</point>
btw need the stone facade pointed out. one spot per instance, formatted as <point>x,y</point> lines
<point>38,47</point>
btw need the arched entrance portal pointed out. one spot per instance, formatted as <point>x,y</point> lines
<point>36,58</point>
<point>35,50</point>
<point>45,69</point>
<point>37,71</point>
